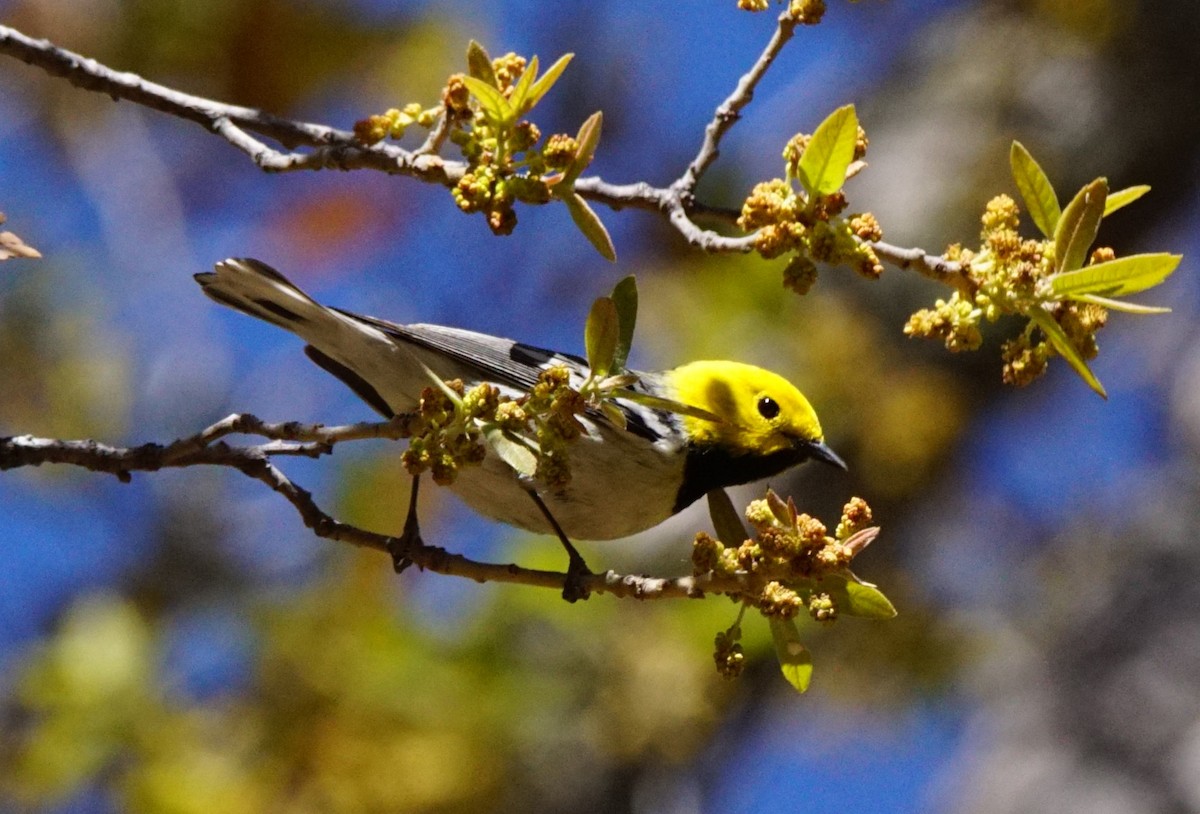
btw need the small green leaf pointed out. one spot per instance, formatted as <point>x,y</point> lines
<point>1076,229</point>
<point>614,414</point>
<point>670,405</point>
<point>1058,338</point>
<point>867,601</point>
<point>794,659</point>
<point>547,80</point>
<point>854,598</point>
<point>495,106</point>
<point>1116,278</point>
<point>600,336</point>
<point>441,385</point>
<point>1124,197</point>
<point>828,155</point>
<point>589,223</point>
<point>625,298</point>
<point>520,91</point>
<point>588,139</point>
<point>779,508</point>
<point>1122,305</point>
<point>725,519</point>
<point>479,63</point>
<point>1036,189</point>
<point>512,449</point>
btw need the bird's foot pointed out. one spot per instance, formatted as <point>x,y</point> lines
<point>573,586</point>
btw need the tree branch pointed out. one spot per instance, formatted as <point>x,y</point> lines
<point>331,148</point>
<point>729,111</point>
<point>207,448</point>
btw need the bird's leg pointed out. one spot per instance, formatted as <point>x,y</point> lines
<point>411,537</point>
<point>573,589</point>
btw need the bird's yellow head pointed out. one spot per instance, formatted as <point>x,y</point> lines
<point>761,413</point>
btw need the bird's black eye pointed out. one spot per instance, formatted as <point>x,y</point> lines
<point>768,408</point>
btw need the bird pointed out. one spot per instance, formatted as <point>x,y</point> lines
<point>625,476</point>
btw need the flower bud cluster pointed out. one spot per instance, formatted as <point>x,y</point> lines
<point>813,229</point>
<point>805,12</point>
<point>504,163</point>
<point>446,434</point>
<point>791,552</point>
<point>1008,276</point>
<point>728,653</point>
<point>394,122</point>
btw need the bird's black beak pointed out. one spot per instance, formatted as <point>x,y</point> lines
<point>821,452</point>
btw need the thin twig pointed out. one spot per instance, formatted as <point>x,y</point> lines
<point>730,110</point>
<point>928,265</point>
<point>207,449</point>
<point>331,148</point>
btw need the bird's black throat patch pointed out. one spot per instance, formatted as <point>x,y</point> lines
<point>711,467</point>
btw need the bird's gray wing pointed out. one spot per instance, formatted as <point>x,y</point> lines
<point>494,359</point>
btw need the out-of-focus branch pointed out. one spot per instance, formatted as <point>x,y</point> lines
<point>209,448</point>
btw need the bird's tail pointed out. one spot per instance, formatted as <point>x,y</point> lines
<point>361,355</point>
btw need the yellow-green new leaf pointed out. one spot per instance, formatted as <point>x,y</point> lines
<point>513,450</point>
<point>1116,278</point>
<point>829,153</point>
<point>1122,305</point>
<point>542,86</point>
<point>1076,229</point>
<point>1123,197</point>
<point>794,659</point>
<point>495,106</point>
<point>614,414</point>
<point>520,91</point>
<point>853,598</point>
<point>725,519</point>
<point>867,601</point>
<point>588,139</point>
<point>670,405</point>
<point>589,223</point>
<point>600,336</point>
<point>1038,193</point>
<point>625,298</point>
<point>479,63</point>
<point>1058,338</point>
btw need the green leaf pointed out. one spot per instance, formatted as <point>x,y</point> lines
<point>1076,229</point>
<point>670,405</point>
<point>495,106</point>
<point>441,385</point>
<point>1066,350</point>
<point>479,63</point>
<point>828,155</point>
<point>547,80</point>
<point>779,508</point>
<point>520,91</point>
<point>625,298</point>
<point>1122,305</point>
<point>614,414</point>
<point>591,226</point>
<point>725,519</point>
<point>867,601</point>
<point>1116,278</point>
<point>1036,189</point>
<point>1124,197</point>
<point>600,336</point>
<point>512,449</point>
<point>588,139</point>
<point>854,598</point>
<point>794,659</point>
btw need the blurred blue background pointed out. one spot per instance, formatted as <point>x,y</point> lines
<point>181,643</point>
